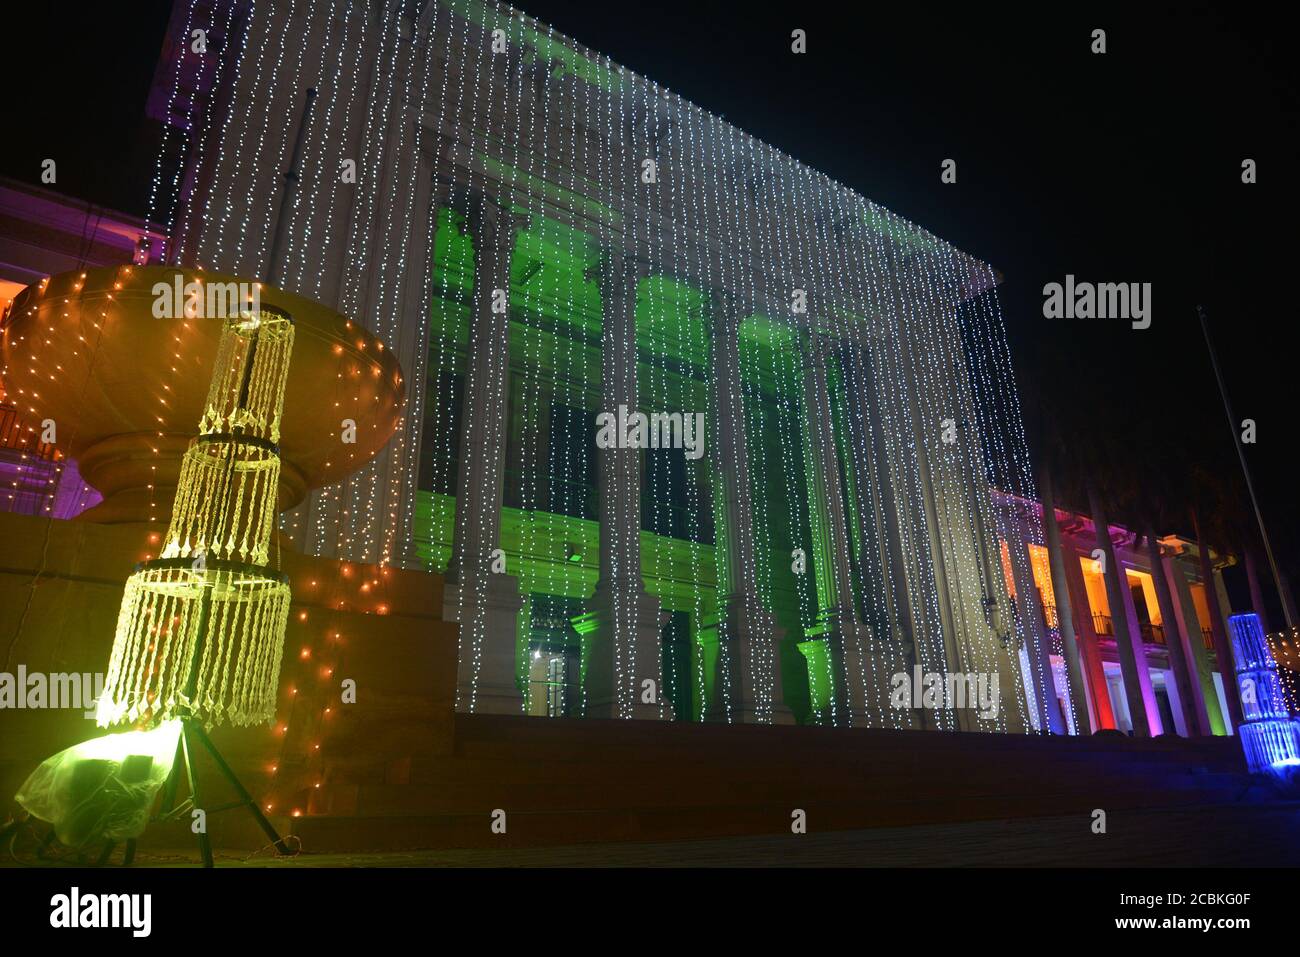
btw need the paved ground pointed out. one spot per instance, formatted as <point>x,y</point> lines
<point>1241,836</point>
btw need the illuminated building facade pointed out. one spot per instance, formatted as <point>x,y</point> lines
<point>1169,613</point>
<point>544,238</point>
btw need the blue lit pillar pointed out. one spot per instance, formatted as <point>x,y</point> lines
<point>1268,732</point>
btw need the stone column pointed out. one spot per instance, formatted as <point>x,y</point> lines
<point>748,634</point>
<point>878,514</point>
<point>1218,625</point>
<point>1129,610</point>
<point>413,354</point>
<point>625,646</point>
<point>1056,558</point>
<point>1209,717</point>
<point>1030,607</point>
<point>845,634</point>
<point>1128,640</point>
<point>1227,669</point>
<point>1099,692</point>
<point>969,618</point>
<point>478,594</point>
<point>1225,610</point>
<point>1183,667</point>
<point>947,587</point>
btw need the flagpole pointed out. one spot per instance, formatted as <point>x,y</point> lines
<point>1245,468</point>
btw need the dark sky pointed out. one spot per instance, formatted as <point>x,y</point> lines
<point>1116,168</point>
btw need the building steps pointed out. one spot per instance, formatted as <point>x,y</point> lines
<point>573,782</point>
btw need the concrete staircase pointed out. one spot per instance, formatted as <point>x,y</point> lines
<point>568,781</point>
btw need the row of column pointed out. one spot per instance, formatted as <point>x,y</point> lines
<point>624,676</point>
<point>1089,693</point>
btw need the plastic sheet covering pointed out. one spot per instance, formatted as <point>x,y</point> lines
<point>104,788</point>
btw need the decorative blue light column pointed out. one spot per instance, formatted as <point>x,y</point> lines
<point>1268,733</point>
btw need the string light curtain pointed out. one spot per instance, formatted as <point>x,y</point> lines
<point>201,628</point>
<point>907,328</point>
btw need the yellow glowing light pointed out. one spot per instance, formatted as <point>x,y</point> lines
<point>211,581</point>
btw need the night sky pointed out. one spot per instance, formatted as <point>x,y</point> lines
<point>1124,167</point>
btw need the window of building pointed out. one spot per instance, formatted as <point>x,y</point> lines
<point>571,462</point>
<point>440,435</point>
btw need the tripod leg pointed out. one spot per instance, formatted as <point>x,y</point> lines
<point>106,853</point>
<point>169,789</point>
<point>128,858</point>
<point>205,844</point>
<point>267,828</point>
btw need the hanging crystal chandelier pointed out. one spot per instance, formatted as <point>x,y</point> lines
<point>201,628</point>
